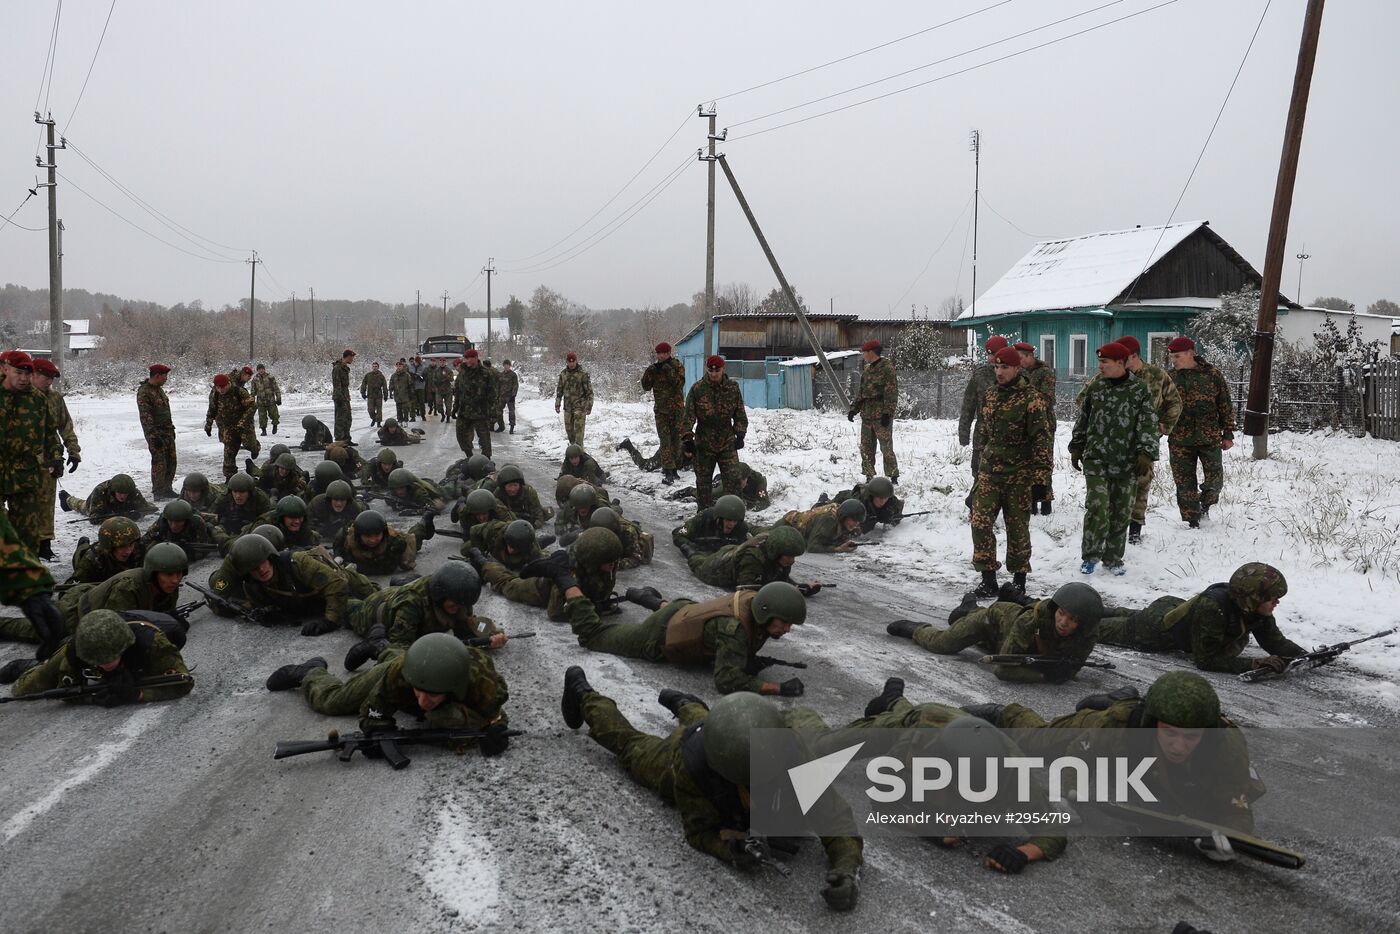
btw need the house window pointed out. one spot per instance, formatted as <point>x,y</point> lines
<point>1157,342</point>
<point>1078,355</point>
<point>1047,350</point>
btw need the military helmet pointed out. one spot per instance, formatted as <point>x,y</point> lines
<point>287,461</point>
<point>1083,603</point>
<point>457,582</point>
<point>177,510</point>
<point>196,481</point>
<point>850,509</point>
<point>240,483</point>
<point>726,737</point>
<point>391,423</point>
<point>402,476</point>
<point>339,489</point>
<point>972,738</point>
<point>1255,583</point>
<point>730,507</point>
<point>166,558</point>
<point>1182,699</point>
<point>387,457</point>
<point>277,450</point>
<point>438,663</point>
<point>597,547</point>
<point>479,501</point>
<point>573,450</point>
<point>563,486</point>
<point>371,522</point>
<point>118,532</point>
<point>880,486</point>
<point>605,517</point>
<point>122,483</point>
<point>293,506</point>
<point>338,454</point>
<point>102,636</point>
<point>273,534</point>
<point>308,422</point>
<point>583,496</point>
<point>519,535</point>
<point>781,600</point>
<point>785,541</point>
<point>478,466</point>
<point>510,474</point>
<point>326,473</point>
<point>248,552</point>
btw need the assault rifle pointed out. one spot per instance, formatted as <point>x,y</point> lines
<point>482,642</point>
<point>200,549</point>
<point>99,519</point>
<point>759,850</point>
<point>381,745</point>
<point>1041,661</point>
<point>389,499</point>
<point>98,687</point>
<point>262,615</point>
<point>1323,655</point>
<point>813,588</point>
<point>1215,841</point>
<point>764,661</point>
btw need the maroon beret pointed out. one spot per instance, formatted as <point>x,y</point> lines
<point>45,367</point>
<point>221,380</point>
<point>662,347</point>
<point>872,345</point>
<point>1179,344</point>
<point>1113,351</point>
<point>1131,343</point>
<point>158,368</point>
<point>1023,346</point>
<point>1008,356</point>
<point>20,360</point>
<point>995,343</point>
<point>715,361</point>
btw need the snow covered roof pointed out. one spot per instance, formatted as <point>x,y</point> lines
<point>475,328</point>
<point>76,325</point>
<point>809,361</point>
<point>84,341</point>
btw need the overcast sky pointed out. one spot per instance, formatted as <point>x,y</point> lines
<point>371,149</point>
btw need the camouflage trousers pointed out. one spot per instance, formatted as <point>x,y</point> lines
<point>871,431</point>
<point>668,433</point>
<point>648,759</point>
<point>705,463</point>
<point>374,402</point>
<point>267,412</point>
<point>1011,497</point>
<point>629,640</point>
<point>1108,506</point>
<point>342,420</point>
<point>420,402</point>
<point>575,417</point>
<point>481,427</point>
<point>976,468</point>
<point>710,569</point>
<point>235,439</point>
<point>973,629</point>
<point>325,693</point>
<point>531,591</point>
<point>48,494</point>
<point>1142,629</point>
<point>1189,497</point>
<point>432,400</point>
<point>22,574</point>
<point>403,407</point>
<point>502,407</point>
<point>162,448</point>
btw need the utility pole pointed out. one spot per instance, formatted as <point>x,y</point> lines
<point>252,301</point>
<point>294,319</point>
<point>55,249</point>
<point>975,139</point>
<point>1302,257</point>
<point>417,318</point>
<point>490,270</point>
<point>787,289</point>
<point>710,230</point>
<point>444,313</point>
<point>313,318</point>
<point>1256,409</point>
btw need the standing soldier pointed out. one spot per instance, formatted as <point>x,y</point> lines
<point>430,384</point>
<point>1114,440</point>
<point>666,380</point>
<point>1042,377</point>
<point>473,401</point>
<point>983,379</point>
<point>44,375</point>
<point>28,447</point>
<point>495,376</point>
<point>340,394</point>
<point>1167,401</point>
<point>505,396</point>
<point>269,396</point>
<point>575,392</point>
<point>713,429</point>
<point>232,408</point>
<point>444,390</point>
<point>373,388</point>
<point>879,393</point>
<point>419,371</point>
<point>1017,441</point>
<point>401,387</point>
<point>159,429</point>
<point>1206,427</point>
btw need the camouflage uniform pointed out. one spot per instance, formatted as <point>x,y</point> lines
<point>398,551</point>
<point>704,532</point>
<point>407,612</point>
<point>268,396</point>
<point>490,538</point>
<point>715,421</point>
<point>397,436</point>
<point>540,592</point>
<point>685,460</point>
<point>666,382</point>
<point>983,378</point>
<point>1167,401</point>
<point>574,392</point>
<point>747,564</point>
<point>1006,628</point>
<point>1017,439</point>
<point>276,487</point>
<point>444,389</point>
<point>28,447</point>
<point>94,563</point>
<point>374,476</point>
<point>150,656</point>
<point>326,521</point>
<point>318,437</point>
<point>507,387</point>
<point>129,590</point>
<point>587,470</point>
<point>525,504</point>
<point>304,537</point>
<point>156,424</point>
<point>473,405</point>
<point>63,423</point>
<point>307,584</point>
<point>340,395</point>
<point>346,457</point>
<point>233,518</point>
<point>753,489</point>
<point>637,546</point>
<point>1042,377</point>
<point>195,533</point>
<point>423,494</point>
<point>875,403</point>
<point>102,504</point>
<point>202,503</point>
<point>889,514</point>
<point>373,387</point>
<point>819,526</point>
<point>419,371</point>
<point>1207,419</point>
<point>401,387</point>
<point>430,387</point>
<point>22,574</point>
<point>233,412</point>
<point>1117,423</point>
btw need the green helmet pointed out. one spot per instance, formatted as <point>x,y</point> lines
<point>438,663</point>
<point>478,466</point>
<point>167,558</point>
<point>293,506</point>
<point>583,496</point>
<point>510,474</point>
<point>597,547</point>
<point>401,476</point>
<point>1083,603</point>
<point>973,738</point>
<point>1182,699</point>
<point>118,532</point>
<point>308,422</point>
<point>370,522</point>
<point>726,737</point>
<point>1255,583</point>
<point>273,534</point>
<point>391,423</point>
<point>248,552</point>
<point>605,517</point>
<point>287,461</point>
<point>780,600</point>
<point>850,509</point>
<point>339,489</point>
<point>102,636</point>
<point>880,486</point>
<point>196,481</point>
<point>387,457</point>
<point>122,483</point>
<point>785,541</point>
<point>325,473</point>
<point>240,483</point>
<point>730,507</point>
<point>177,510</point>
<point>277,450</point>
<point>573,450</point>
<point>455,581</point>
<point>479,501</point>
<point>519,536</point>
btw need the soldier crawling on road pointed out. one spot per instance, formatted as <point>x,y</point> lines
<point>115,497</point>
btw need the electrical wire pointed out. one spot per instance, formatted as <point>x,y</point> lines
<point>46,78</point>
<point>451,295</point>
<point>986,204</point>
<point>82,90</point>
<point>936,250</point>
<point>16,211</point>
<point>268,272</point>
<point>957,283</point>
<point>131,223</point>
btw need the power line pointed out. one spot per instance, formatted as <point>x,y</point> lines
<point>465,287</point>
<point>16,211</point>
<point>936,250</point>
<point>124,220</point>
<point>46,78</point>
<point>987,204</point>
<point>90,66</point>
<point>267,272</point>
<point>954,74</point>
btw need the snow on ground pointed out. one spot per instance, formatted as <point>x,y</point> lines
<point>1324,509</point>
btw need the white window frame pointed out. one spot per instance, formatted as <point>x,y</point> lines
<point>1079,339</point>
<point>1048,358</point>
<point>1158,335</point>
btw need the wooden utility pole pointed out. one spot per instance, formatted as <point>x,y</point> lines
<point>787,289</point>
<point>1256,410</point>
<point>55,267</point>
<point>490,270</point>
<point>710,234</point>
<point>444,313</point>
<point>294,319</point>
<point>417,318</point>
<point>252,301</point>
<point>976,144</point>
<point>313,318</point>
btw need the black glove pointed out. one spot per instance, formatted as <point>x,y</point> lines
<point>118,688</point>
<point>56,470</point>
<point>1075,462</point>
<point>738,442</point>
<point>885,420</point>
<point>688,446</point>
<point>209,429</point>
<point>319,626</point>
<point>851,414</point>
<point>792,687</point>
<point>842,890</point>
<point>1273,662</point>
<point>73,462</point>
<point>555,568</point>
<point>1010,859</point>
<point>477,557</point>
<point>495,741</point>
<point>47,621</point>
<point>568,538</point>
<point>809,590</point>
<point>686,549</point>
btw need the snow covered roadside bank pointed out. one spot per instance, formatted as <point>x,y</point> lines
<point>1324,508</point>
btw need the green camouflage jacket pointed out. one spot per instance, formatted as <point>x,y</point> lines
<point>475,706</point>
<point>982,379</point>
<point>819,526</point>
<point>1042,377</point>
<point>474,395</point>
<point>490,538</point>
<point>154,408</point>
<point>666,382</point>
<point>705,532</point>
<point>574,390</point>
<point>1165,398</point>
<point>63,421</point>
<point>304,585</point>
<point>587,471</point>
<point>326,520</point>
<point>397,551</point>
<point>1030,630</point>
<point>28,440</point>
<point>195,532</point>
<point>879,390</point>
<point>103,502</point>
<point>507,385</point>
<point>374,385</point>
<point>152,656</point>
<point>747,564</point>
<point>1016,431</point>
<point>401,385</point>
<point>340,381</point>
<point>125,591</point>
<point>1116,423</point>
<point>1215,630</point>
<point>714,414</point>
<point>231,410</point>
<point>93,564</point>
<point>525,504</point>
<point>407,612</point>
<point>266,390</point>
<point>1207,412</point>
<point>232,518</point>
<point>303,537</point>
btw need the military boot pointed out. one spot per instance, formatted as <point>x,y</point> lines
<point>291,676</point>
<point>989,712</point>
<point>624,445</point>
<point>893,691</point>
<point>264,431</point>
<point>1012,593</point>
<point>969,603</point>
<point>576,688</point>
<point>46,550</point>
<point>1045,507</point>
<point>10,672</point>
<point>1106,700</point>
<point>686,549</point>
<point>63,501</point>
<point>647,597</point>
<point>668,476</point>
<point>369,647</point>
<point>905,628</point>
<point>429,530</point>
<point>478,558</point>
<point>988,587</point>
<point>544,540</point>
<point>1134,533</point>
<point>1018,582</point>
<point>250,466</point>
<point>674,700</point>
